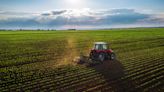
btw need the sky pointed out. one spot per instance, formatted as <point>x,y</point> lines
<point>80,14</point>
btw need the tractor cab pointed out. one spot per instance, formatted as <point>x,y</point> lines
<point>100,46</point>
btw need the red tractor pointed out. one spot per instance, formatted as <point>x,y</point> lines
<point>102,52</point>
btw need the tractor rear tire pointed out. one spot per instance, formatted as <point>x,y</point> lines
<point>91,56</point>
<point>112,56</point>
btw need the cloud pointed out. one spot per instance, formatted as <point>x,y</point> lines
<point>58,12</point>
<point>46,14</point>
<point>54,13</point>
<point>123,17</point>
<point>80,19</point>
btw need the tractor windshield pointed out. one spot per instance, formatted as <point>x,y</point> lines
<point>101,46</point>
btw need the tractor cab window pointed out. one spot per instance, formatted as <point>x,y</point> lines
<point>104,46</point>
<point>96,47</point>
<point>101,46</point>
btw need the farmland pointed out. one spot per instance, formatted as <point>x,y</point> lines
<point>43,61</point>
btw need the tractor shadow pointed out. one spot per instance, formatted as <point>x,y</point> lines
<point>113,72</point>
<point>106,68</point>
<point>109,69</point>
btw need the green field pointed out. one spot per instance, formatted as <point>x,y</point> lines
<point>43,61</point>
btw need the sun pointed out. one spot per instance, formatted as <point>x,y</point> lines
<point>74,3</point>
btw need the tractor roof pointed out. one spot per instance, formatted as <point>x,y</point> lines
<point>100,43</point>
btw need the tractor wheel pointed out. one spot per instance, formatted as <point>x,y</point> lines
<point>112,56</point>
<point>91,56</point>
<point>101,57</point>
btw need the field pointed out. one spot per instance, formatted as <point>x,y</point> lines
<point>44,61</point>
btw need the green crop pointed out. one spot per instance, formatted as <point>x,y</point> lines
<point>43,60</point>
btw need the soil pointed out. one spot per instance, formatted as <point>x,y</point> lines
<point>110,69</point>
<point>113,71</point>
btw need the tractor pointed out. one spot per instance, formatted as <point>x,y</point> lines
<point>101,52</point>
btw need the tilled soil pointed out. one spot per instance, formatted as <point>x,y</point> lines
<point>110,69</point>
